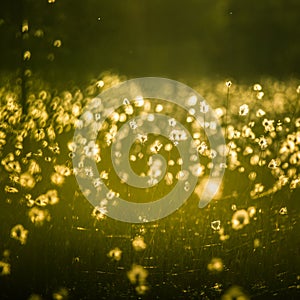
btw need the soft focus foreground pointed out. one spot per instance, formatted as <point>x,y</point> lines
<point>245,243</point>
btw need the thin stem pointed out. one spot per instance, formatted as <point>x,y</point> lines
<point>226,114</point>
<point>226,118</point>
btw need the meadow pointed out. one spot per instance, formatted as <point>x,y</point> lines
<point>244,245</point>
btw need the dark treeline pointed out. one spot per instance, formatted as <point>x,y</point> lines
<point>177,39</point>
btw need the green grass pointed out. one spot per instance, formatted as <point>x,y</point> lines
<point>61,244</point>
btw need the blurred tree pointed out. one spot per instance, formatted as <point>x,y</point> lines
<point>177,39</point>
